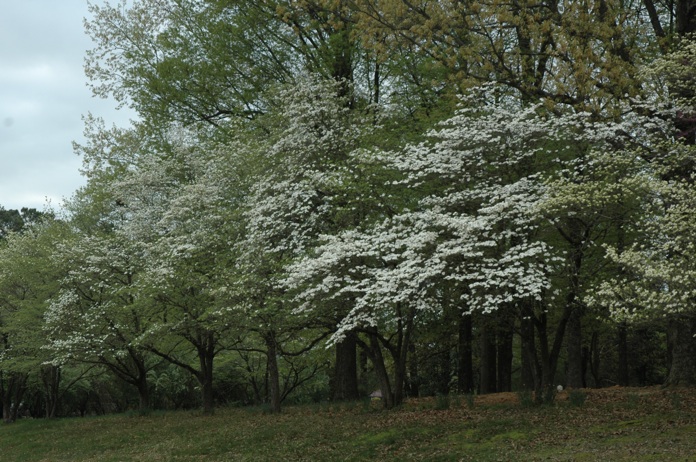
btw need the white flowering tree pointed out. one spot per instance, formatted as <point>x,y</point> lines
<point>490,181</point>
<point>474,227</point>
<point>654,283</point>
<point>302,190</point>
<point>96,317</point>
<point>595,197</point>
<point>28,279</point>
<point>180,210</point>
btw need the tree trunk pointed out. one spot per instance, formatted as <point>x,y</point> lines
<point>682,345</point>
<point>5,401</point>
<point>595,360</point>
<point>50,376</point>
<point>685,16</point>
<point>623,378</point>
<point>506,328</point>
<point>548,357</point>
<point>574,376</point>
<point>442,385</point>
<point>528,375</point>
<point>487,359</point>
<point>12,394</point>
<point>400,355</point>
<point>345,370</point>
<point>206,355</point>
<point>273,373</point>
<point>465,372</point>
<point>143,394</point>
<point>375,353</point>
<point>413,374</point>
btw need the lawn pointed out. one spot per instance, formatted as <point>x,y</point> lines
<point>622,424</point>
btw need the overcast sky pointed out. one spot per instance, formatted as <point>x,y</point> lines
<point>43,96</point>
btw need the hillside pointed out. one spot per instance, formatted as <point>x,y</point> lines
<point>630,424</point>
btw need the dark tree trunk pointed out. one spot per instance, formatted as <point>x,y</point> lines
<point>685,16</point>
<point>413,374</point>
<point>442,385</point>
<point>392,392</point>
<point>12,394</point>
<point>549,354</point>
<point>574,375</point>
<point>595,360</point>
<point>529,360</point>
<point>143,394</point>
<point>377,358</point>
<point>400,353</point>
<point>488,358</point>
<point>505,334</point>
<point>50,376</point>
<point>345,370</point>
<point>622,370</point>
<point>273,373</point>
<point>682,347</point>
<point>206,356</point>
<point>5,400</point>
<point>465,372</point>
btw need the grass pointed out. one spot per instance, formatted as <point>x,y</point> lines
<point>611,425</point>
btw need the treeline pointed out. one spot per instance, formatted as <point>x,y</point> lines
<point>321,199</point>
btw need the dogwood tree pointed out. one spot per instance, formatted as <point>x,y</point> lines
<point>28,280</point>
<point>488,180</point>
<point>180,210</point>
<point>657,273</point>
<point>96,318</point>
<point>473,226</point>
<point>301,191</point>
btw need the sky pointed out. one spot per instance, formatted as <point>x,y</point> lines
<point>43,96</point>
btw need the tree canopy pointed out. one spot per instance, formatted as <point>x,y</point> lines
<point>475,196</point>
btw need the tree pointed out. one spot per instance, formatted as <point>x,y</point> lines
<point>16,220</point>
<point>28,279</point>
<point>301,191</point>
<point>595,199</point>
<point>581,54</point>
<point>179,208</point>
<point>651,268</point>
<point>188,61</point>
<point>472,226</point>
<point>96,317</point>
<point>656,277</point>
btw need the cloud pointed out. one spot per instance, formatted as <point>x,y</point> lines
<point>43,96</point>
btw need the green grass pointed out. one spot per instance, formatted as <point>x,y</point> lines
<point>635,425</point>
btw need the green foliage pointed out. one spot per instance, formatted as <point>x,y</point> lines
<point>28,279</point>
<point>307,170</point>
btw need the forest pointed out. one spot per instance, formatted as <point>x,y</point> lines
<point>321,199</point>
